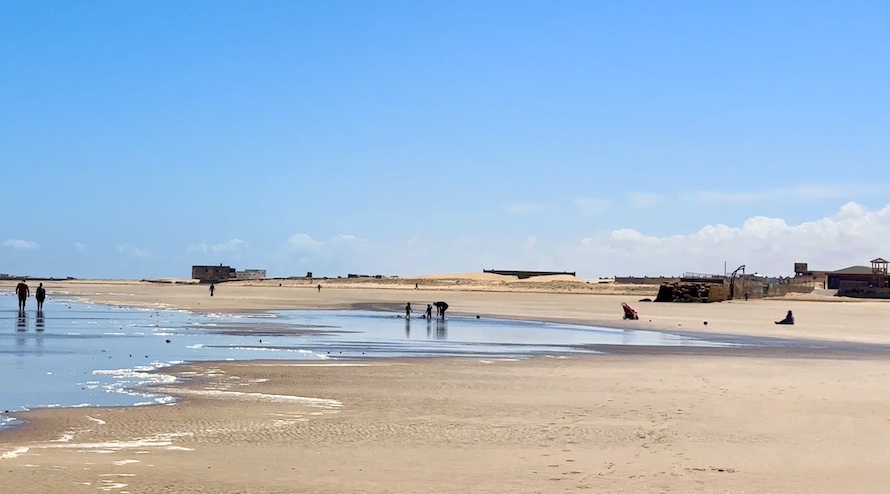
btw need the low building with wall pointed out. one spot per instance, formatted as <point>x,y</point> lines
<point>213,274</point>
<point>251,274</point>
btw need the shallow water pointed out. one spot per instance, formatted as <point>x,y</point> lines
<point>82,354</point>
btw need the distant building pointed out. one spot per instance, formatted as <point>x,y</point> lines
<point>874,276</point>
<point>522,275</point>
<point>251,274</point>
<point>213,274</point>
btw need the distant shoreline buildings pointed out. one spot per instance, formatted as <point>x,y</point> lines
<point>216,274</point>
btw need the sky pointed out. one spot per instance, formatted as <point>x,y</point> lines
<point>417,137</point>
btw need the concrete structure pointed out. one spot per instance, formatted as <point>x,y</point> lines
<point>251,274</point>
<point>526,274</point>
<point>213,274</point>
<point>803,275</point>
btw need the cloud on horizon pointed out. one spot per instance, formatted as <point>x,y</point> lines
<point>136,253</point>
<point>20,244</point>
<point>854,235</point>
<point>233,245</point>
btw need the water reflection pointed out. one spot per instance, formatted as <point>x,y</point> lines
<point>22,322</point>
<point>441,329</point>
<point>39,324</point>
<point>407,328</point>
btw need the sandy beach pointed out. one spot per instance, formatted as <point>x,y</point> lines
<point>632,421</point>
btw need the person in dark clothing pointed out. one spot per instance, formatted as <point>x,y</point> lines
<point>319,288</point>
<point>429,311</point>
<point>40,295</point>
<point>23,293</point>
<point>440,309</point>
<point>212,289</point>
<point>408,311</point>
<point>789,319</point>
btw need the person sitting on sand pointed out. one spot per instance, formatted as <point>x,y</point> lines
<point>789,319</point>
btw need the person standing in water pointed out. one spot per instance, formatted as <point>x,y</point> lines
<point>212,289</point>
<point>440,309</point>
<point>23,293</point>
<point>408,311</point>
<point>40,295</point>
<point>429,311</point>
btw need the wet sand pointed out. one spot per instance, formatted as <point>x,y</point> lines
<point>637,420</point>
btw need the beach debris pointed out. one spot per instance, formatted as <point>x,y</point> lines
<point>706,323</point>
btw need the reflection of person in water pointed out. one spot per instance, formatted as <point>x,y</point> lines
<point>789,319</point>
<point>441,329</point>
<point>440,309</point>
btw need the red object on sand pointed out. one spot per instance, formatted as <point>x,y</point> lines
<point>629,313</point>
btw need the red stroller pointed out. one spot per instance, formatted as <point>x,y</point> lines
<point>629,313</point>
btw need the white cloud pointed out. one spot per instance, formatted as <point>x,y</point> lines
<point>79,247</point>
<point>523,208</point>
<point>303,241</point>
<point>136,253</point>
<point>807,192</point>
<point>20,244</point>
<point>644,199</point>
<point>589,206</point>
<point>234,245</point>
<point>854,235</point>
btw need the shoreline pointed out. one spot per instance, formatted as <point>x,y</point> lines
<point>638,419</point>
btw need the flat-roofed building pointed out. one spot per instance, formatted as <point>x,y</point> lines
<point>213,274</point>
<point>251,274</point>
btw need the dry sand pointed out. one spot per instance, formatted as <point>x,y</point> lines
<point>640,422</point>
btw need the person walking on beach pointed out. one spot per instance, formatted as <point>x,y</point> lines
<point>408,311</point>
<point>319,288</point>
<point>40,295</point>
<point>23,293</point>
<point>212,289</point>
<point>429,311</point>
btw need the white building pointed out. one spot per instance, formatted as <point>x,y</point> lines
<point>251,274</point>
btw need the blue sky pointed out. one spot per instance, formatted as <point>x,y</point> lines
<point>398,137</point>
